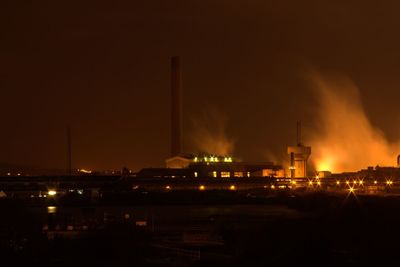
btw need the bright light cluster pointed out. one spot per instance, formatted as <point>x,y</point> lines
<point>212,159</point>
<point>52,192</point>
<point>84,171</point>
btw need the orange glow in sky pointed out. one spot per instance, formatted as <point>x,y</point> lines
<point>345,139</point>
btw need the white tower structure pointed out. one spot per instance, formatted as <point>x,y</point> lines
<point>298,157</point>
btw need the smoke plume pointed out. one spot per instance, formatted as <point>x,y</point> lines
<point>345,139</point>
<point>209,135</point>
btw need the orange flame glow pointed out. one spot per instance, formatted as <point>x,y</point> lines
<point>345,139</point>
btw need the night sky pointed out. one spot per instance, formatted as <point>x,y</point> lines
<point>103,67</point>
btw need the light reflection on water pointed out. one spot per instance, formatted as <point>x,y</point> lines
<point>51,209</point>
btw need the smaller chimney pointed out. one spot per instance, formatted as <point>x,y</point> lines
<point>299,142</point>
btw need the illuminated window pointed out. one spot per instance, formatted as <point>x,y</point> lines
<point>195,174</point>
<point>238,174</point>
<point>225,174</point>
<point>214,174</point>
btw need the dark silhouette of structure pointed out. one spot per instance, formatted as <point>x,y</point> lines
<point>176,107</point>
<point>69,152</point>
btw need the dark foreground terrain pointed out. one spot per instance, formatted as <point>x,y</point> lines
<point>211,229</point>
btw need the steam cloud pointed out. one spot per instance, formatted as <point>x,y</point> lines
<point>345,139</point>
<point>209,134</point>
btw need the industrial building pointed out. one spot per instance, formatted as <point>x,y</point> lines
<point>203,165</point>
<point>222,167</point>
<point>204,171</point>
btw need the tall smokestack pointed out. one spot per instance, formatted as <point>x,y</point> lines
<point>299,143</point>
<point>176,106</point>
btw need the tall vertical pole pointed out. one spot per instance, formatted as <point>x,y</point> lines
<point>176,106</point>
<point>69,152</point>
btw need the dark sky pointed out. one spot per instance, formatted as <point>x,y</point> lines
<point>103,68</point>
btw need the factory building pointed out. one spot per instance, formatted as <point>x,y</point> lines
<point>201,165</point>
<point>211,166</point>
<point>229,167</point>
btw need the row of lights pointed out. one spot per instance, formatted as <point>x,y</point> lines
<point>310,183</point>
<point>361,182</point>
<point>9,174</point>
<point>50,193</point>
<point>214,159</point>
<point>202,187</point>
<point>274,186</point>
<point>232,187</point>
<point>354,182</point>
